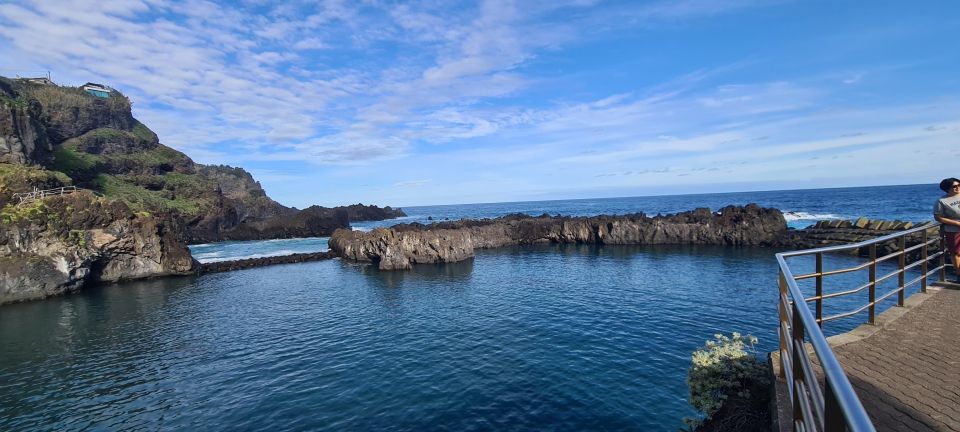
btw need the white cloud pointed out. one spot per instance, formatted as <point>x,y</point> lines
<point>355,87</point>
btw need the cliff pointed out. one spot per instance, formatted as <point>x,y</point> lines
<point>141,201</point>
<point>401,246</point>
<point>58,244</point>
<point>52,136</point>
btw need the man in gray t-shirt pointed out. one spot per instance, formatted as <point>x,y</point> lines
<point>947,211</point>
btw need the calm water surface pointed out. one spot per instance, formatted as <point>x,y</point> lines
<point>527,338</point>
<point>562,338</point>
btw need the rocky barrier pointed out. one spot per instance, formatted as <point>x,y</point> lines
<point>402,245</point>
<point>840,232</point>
<point>223,266</point>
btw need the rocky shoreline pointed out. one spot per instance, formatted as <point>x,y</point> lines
<point>79,239</point>
<point>401,246</point>
<point>62,243</point>
<point>134,202</point>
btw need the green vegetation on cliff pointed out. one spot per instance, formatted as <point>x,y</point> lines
<point>53,136</point>
<point>140,198</point>
<point>71,162</point>
<point>34,212</point>
<point>22,178</point>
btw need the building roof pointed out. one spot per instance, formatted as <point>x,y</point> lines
<point>101,86</point>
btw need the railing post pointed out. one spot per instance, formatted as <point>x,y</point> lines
<point>943,255</point>
<point>832,413</point>
<point>903,273</point>
<point>923,266</point>
<point>797,361</point>
<point>873,283</point>
<point>782,311</point>
<point>819,289</point>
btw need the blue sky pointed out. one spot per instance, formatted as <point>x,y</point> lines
<point>441,102</point>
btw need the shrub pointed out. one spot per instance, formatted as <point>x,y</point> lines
<point>78,237</point>
<point>74,163</point>
<point>725,373</point>
<point>35,211</point>
<point>55,96</point>
<point>23,178</point>
<point>19,102</point>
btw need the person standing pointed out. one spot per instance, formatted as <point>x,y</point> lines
<point>947,212</point>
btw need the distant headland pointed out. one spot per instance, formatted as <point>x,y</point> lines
<point>88,193</point>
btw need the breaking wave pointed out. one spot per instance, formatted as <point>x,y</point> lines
<point>791,216</point>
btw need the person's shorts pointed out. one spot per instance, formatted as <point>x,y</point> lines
<point>952,240</point>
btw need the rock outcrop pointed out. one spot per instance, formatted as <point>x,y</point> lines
<point>402,245</point>
<point>59,244</point>
<point>223,266</point>
<point>22,137</point>
<point>842,232</point>
<point>150,199</point>
<point>96,143</point>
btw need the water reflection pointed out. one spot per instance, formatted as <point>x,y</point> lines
<point>439,272</point>
<point>59,325</point>
<point>510,339</point>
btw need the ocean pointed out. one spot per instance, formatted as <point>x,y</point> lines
<point>549,337</point>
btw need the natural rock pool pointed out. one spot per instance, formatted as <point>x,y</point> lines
<point>523,338</point>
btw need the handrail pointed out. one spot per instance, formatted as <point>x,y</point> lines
<point>29,197</point>
<point>847,246</point>
<point>836,407</point>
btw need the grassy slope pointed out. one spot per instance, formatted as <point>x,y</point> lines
<point>143,179</point>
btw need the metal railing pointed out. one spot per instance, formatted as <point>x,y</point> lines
<point>36,194</point>
<point>835,406</point>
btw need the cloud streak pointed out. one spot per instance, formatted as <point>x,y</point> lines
<point>517,91</point>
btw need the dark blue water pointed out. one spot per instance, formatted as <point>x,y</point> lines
<point>566,337</point>
<point>801,207</point>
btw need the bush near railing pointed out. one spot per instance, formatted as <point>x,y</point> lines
<point>729,386</point>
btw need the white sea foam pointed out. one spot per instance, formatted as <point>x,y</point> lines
<point>204,255</point>
<point>256,255</point>
<point>361,229</point>
<point>795,216</point>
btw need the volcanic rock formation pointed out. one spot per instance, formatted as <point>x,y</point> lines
<point>402,245</point>
<point>58,244</point>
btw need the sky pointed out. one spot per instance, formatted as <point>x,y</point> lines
<point>444,102</point>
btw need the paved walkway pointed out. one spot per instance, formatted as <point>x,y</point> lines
<point>907,372</point>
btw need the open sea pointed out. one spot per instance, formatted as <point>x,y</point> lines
<point>553,337</point>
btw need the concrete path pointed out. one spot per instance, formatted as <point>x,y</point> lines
<point>906,369</point>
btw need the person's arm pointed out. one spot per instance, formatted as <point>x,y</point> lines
<point>946,221</point>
